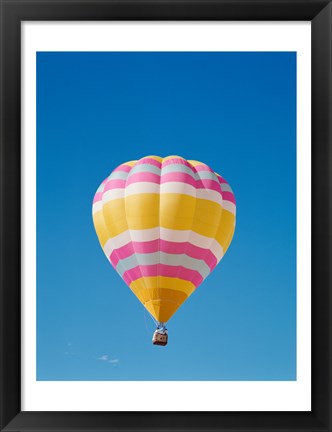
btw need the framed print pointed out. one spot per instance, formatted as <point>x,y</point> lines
<point>141,141</point>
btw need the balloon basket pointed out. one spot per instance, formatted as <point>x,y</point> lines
<point>159,338</point>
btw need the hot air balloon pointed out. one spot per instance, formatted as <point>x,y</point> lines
<point>164,224</point>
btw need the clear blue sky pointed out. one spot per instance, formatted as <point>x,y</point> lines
<point>234,111</point>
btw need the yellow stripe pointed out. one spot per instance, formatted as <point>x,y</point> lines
<point>228,242</point>
<point>195,163</point>
<point>142,210</point>
<point>157,158</point>
<point>177,212</point>
<point>101,230</point>
<point>162,310</point>
<point>162,302</point>
<point>226,229</point>
<point>115,218</point>
<point>172,157</point>
<point>132,163</point>
<point>172,296</point>
<point>153,282</point>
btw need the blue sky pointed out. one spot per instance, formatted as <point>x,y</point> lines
<point>234,111</point>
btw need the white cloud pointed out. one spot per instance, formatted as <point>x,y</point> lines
<point>114,362</point>
<point>103,357</point>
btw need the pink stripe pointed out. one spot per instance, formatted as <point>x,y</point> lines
<point>133,247</point>
<point>98,197</point>
<point>143,177</point>
<point>209,184</point>
<point>228,196</point>
<point>123,167</point>
<point>189,249</point>
<point>149,161</point>
<point>146,247</point>
<point>178,177</point>
<point>221,179</point>
<point>164,246</point>
<point>188,179</point>
<point>166,178</point>
<point>115,184</point>
<point>121,253</point>
<point>177,161</point>
<point>162,270</point>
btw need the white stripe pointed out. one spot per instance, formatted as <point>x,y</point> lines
<point>229,206</point>
<point>118,175</point>
<point>195,239</point>
<point>179,188</point>
<point>225,187</point>
<point>173,187</point>
<point>209,195</point>
<point>141,188</point>
<point>98,205</point>
<point>186,189</point>
<point>129,236</point>
<point>101,188</point>
<point>113,194</point>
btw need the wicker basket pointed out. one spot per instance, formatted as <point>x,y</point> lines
<point>159,338</point>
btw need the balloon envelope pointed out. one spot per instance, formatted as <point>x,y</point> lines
<point>164,224</point>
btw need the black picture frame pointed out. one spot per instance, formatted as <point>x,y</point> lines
<point>13,12</point>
